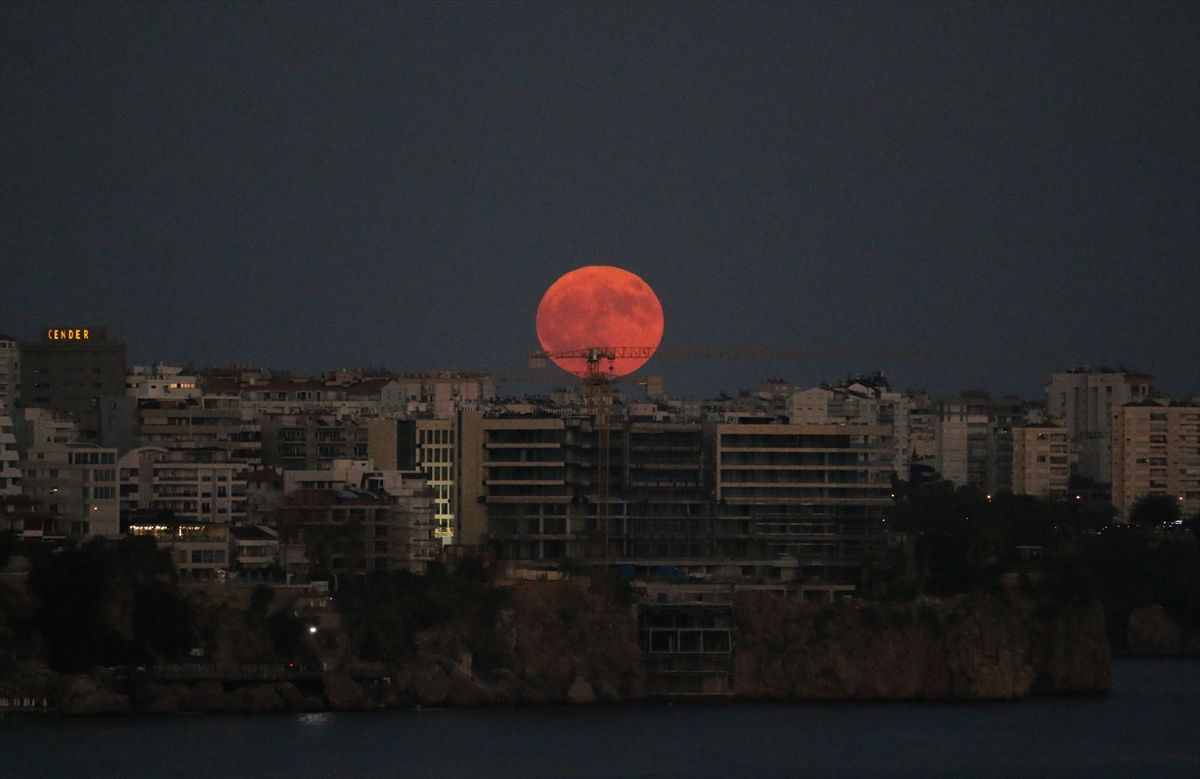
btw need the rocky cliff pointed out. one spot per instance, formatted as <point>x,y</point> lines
<point>558,642</point>
<point>554,642</point>
<point>970,647</point>
<point>1151,631</point>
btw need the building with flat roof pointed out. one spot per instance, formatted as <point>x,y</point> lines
<point>973,436</point>
<point>199,550</point>
<point>1086,401</point>
<point>10,372</point>
<point>1041,460</point>
<point>77,483</point>
<point>306,441</point>
<point>208,422</point>
<point>328,532</point>
<point>777,502</point>
<point>1156,451</point>
<point>161,381</point>
<point>193,485</point>
<point>10,472</point>
<point>68,370</point>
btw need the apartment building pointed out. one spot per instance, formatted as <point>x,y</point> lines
<point>1156,451</point>
<point>1041,460</point>
<point>208,422</point>
<point>10,471</point>
<point>865,400</point>
<point>438,394</point>
<point>199,550</point>
<point>513,477</point>
<point>306,441</point>
<point>161,381</point>
<point>78,484</point>
<point>974,440</point>
<point>10,372</point>
<point>195,486</point>
<point>343,532</point>
<point>813,493</point>
<point>1086,400</point>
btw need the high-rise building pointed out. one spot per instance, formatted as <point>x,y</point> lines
<point>78,484</point>
<point>426,444</point>
<point>1156,451</point>
<point>1085,400</point>
<point>435,458</point>
<point>10,472</point>
<point>512,481</point>
<point>1041,461</point>
<point>69,370</point>
<point>974,442</point>
<point>962,430</point>
<point>10,372</point>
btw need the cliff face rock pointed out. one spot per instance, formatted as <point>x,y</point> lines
<point>211,696</point>
<point>84,695</point>
<point>555,642</point>
<point>971,647</point>
<point>345,694</point>
<point>1151,631</point>
<point>558,642</point>
<point>560,632</point>
<point>233,632</point>
<point>1069,649</point>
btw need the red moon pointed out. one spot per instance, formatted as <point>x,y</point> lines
<point>599,305</point>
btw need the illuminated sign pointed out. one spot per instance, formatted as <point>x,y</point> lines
<point>68,334</point>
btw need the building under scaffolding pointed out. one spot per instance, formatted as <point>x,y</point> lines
<point>725,502</point>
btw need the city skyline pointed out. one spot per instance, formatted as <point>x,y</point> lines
<point>1007,190</point>
<point>536,379</point>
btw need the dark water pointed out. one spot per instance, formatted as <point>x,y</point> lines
<point>1149,726</point>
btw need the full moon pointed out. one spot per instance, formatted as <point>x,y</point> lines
<point>599,305</point>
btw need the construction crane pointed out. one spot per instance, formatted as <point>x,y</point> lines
<point>598,375</point>
<point>593,357</point>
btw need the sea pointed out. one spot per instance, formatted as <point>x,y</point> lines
<point>1147,726</point>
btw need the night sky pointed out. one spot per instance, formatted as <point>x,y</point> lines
<point>963,195</point>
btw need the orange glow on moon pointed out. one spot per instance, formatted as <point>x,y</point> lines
<point>599,305</point>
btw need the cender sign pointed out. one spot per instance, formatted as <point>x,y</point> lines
<point>68,334</point>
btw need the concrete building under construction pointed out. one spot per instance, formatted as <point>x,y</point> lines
<point>723,502</point>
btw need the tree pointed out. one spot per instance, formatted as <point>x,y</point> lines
<point>261,598</point>
<point>109,604</point>
<point>1154,511</point>
<point>8,542</point>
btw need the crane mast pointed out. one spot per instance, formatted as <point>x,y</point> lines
<point>597,377</point>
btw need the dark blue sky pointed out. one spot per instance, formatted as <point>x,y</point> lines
<point>1014,188</point>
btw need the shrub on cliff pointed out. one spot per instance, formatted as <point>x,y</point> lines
<point>384,612</point>
<point>287,633</point>
<point>109,604</point>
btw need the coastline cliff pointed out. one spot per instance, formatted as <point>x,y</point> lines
<point>968,647</point>
<point>561,642</point>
